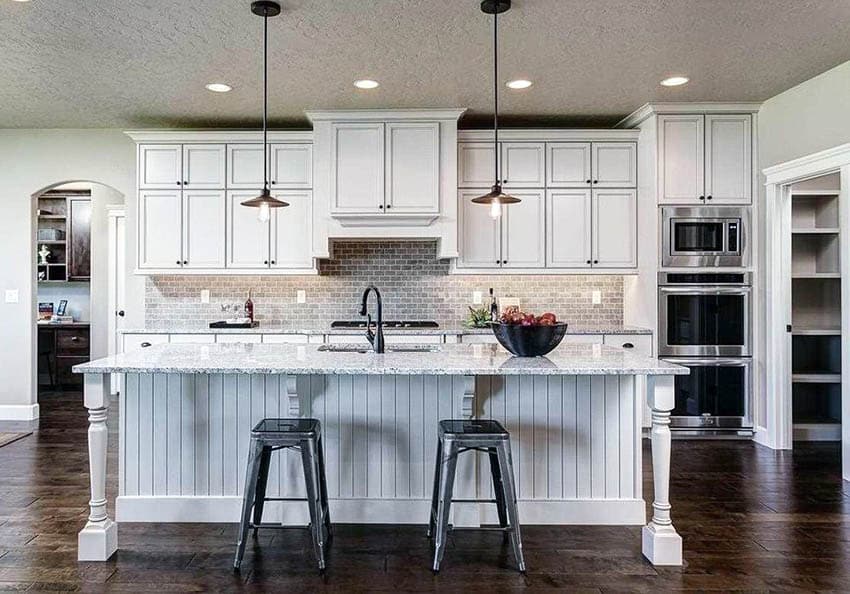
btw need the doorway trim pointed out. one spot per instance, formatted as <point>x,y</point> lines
<point>777,432</point>
<point>117,268</point>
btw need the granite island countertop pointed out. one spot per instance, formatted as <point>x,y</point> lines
<point>443,330</point>
<point>446,359</point>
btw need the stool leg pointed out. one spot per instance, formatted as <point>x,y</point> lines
<point>447,478</point>
<point>309,459</point>
<point>324,493</point>
<point>262,483</point>
<point>498,487</point>
<point>435,493</point>
<point>509,493</point>
<point>251,474</point>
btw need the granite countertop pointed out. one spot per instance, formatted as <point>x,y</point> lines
<point>444,329</point>
<point>448,359</point>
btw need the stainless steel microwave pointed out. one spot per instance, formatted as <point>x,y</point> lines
<point>705,236</point>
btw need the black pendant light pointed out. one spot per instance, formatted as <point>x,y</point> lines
<point>496,197</point>
<point>265,201</point>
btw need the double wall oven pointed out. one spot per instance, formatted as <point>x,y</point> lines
<point>705,316</point>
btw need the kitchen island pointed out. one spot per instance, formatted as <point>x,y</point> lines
<point>574,417</point>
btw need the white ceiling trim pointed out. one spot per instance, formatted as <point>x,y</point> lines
<point>671,108</point>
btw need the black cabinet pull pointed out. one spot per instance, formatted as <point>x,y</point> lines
<point>177,262</point>
<point>588,261</point>
<point>121,313</point>
<point>265,261</point>
<point>389,205</point>
<point>708,197</point>
<point>588,181</point>
<point>185,183</point>
<point>381,206</point>
<point>273,261</point>
<point>628,345</point>
<point>596,261</point>
<point>185,261</point>
<point>274,182</point>
<point>178,183</point>
<point>702,197</point>
<point>596,181</point>
<point>75,339</point>
<point>144,345</point>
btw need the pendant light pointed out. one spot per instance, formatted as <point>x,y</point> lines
<point>496,197</point>
<point>265,201</point>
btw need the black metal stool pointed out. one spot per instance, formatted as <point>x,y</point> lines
<point>275,434</point>
<point>456,437</point>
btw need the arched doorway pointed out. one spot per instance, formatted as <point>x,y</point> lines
<point>71,313</point>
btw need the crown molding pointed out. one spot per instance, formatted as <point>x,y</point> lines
<point>218,136</point>
<point>684,107</point>
<point>375,115</point>
<point>549,135</point>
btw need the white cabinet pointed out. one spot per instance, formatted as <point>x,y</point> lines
<point>523,240</point>
<point>639,344</point>
<point>614,229</point>
<point>412,167</point>
<point>160,229</point>
<point>291,166</point>
<point>134,342</point>
<point>475,165</point>
<point>728,159</point>
<point>614,165</point>
<point>203,166</point>
<point>245,166</point>
<point>291,232</point>
<point>523,164</point>
<point>357,168</point>
<point>247,237</point>
<point>705,159</point>
<point>191,338</point>
<point>568,228</point>
<point>203,228</point>
<point>160,166</point>
<point>480,234</point>
<point>568,165</point>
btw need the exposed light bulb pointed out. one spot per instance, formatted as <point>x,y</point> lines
<point>496,208</point>
<point>265,213</point>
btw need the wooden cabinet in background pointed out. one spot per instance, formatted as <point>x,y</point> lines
<point>60,347</point>
<point>79,239</point>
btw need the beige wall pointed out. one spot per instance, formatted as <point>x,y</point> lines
<point>30,161</point>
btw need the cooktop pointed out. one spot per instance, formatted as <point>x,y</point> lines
<point>412,324</point>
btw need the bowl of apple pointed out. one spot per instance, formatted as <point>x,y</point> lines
<point>527,335</point>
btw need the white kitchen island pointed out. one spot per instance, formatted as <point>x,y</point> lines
<point>186,411</point>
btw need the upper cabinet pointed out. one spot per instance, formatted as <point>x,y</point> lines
<point>523,165</point>
<point>568,165</point>
<point>412,167</point>
<point>290,166</point>
<point>203,166</point>
<point>476,164</point>
<point>705,159</point>
<point>591,165</point>
<point>614,165</point>
<point>357,167</point>
<point>192,166</point>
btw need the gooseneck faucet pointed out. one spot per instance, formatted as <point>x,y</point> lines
<point>376,338</point>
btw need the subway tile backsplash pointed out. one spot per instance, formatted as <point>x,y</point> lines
<point>415,285</point>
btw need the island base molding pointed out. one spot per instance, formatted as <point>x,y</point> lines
<point>378,511</point>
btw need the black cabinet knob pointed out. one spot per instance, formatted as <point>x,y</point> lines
<point>381,206</point>
<point>274,182</point>
<point>588,181</point>
<point>596,261</point>
<point>178,183</point>
<point>588,261</point>
<point>702,197</point>
<point>596,181</point>
<point>628,345</point>
<point>708,197</point>
<point>504,181</point>
<point>145,345</point>
<point>273,261</point>
<point>185,261</point>
<point>185,183</point>
<point>265,261</point>
<point>121,313</point>
<point>177,262</point>
<point>389,205</point>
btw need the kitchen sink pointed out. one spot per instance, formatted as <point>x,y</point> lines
<point>390,348</point>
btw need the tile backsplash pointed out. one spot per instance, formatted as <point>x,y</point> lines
<point>415,285</point>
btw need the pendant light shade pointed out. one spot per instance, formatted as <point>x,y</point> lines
<point>496,197</point>
<point>265,201</point>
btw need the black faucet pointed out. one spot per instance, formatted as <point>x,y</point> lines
<point>376,339</point>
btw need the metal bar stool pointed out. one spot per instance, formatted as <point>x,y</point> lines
<point>268,436</point>
<point>456,437</point>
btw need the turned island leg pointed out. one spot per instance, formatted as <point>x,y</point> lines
<point>661,543</point>
<point>98,540</point>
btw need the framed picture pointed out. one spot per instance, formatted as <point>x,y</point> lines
<point>63,304</point>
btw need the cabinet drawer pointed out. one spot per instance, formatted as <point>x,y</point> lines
<point>134,342</point>
<point>641,344</point>
<point>72,342</point>
<point>63,370</point>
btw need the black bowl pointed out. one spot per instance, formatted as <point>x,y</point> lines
<point>529,341</point>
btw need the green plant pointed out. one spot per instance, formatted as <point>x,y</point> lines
<point>478,317</point>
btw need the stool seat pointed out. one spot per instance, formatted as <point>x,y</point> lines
<point>301,427</point>
<point>478,428</point>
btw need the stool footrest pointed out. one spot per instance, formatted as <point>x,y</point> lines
<point>474,501</point>
<point>285,499</point>
<point>453,528</point>
<point>267,526</point>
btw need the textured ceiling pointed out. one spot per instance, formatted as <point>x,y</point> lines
<point>140,63</point>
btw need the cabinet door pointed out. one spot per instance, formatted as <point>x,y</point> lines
<point>523,231</point>
<point>614,228</point>
<point>292,239</point>
<point>413,167</point>
<point>291,166</point>
<point>203,166</point>
<point>681,159</point>
<point>160,166</point>
<point>614,165</point>
<point>475,165</point>
<point>480,242</point>
<point>568,165</point>
<point>245,166</point>
<point>523,164</point>
<point>728,159</point>
<point>247,238</point>
<point>160,227</point>
<point>568,225</point>
<point>79,239</point>
<point>204,228</point>
<point>357,168</point>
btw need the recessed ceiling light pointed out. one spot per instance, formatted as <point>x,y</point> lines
<point>675,81</point>
<point>218,87</point>
<point>366,84</point>
<point>21,0</point>
<point>520,83</point>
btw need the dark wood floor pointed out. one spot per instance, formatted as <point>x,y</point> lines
<point>751,519</point>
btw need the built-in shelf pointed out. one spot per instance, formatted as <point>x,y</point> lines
<point>816,275</point>
<point>52,217</point>
<point>815,231</point>
<point>816,331</point>
<point>51,242</point>
<point>816,378</point>
<point>810,193</point>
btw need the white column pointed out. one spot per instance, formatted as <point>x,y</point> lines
<point>98,540</point>
<point>661,544</point>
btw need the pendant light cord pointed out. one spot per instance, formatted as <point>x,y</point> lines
<point>265,99</point>
<point>496,94</point>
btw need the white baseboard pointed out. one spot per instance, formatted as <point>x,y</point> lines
<point>379,511</point>
<point>18,412</point>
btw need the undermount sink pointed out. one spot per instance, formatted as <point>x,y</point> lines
<point>390,348</point>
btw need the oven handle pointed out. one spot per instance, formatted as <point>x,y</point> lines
<point>702,290</point>
<point>710,362</point>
